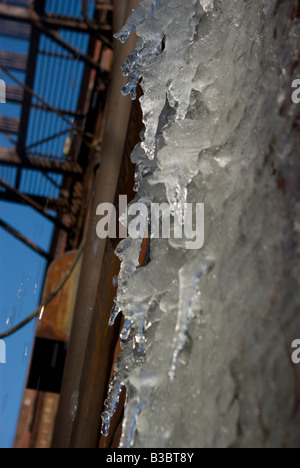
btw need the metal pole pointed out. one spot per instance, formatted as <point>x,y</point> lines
<point>106,180</point>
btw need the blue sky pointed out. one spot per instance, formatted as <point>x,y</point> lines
<point>21,280</point>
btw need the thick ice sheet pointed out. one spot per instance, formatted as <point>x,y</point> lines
<point>207,334</point>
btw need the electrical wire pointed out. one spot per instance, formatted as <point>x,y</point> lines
<point>36,313</point>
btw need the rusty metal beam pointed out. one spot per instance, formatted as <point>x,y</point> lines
<point>27,96</point>
<point>104,5</point>
<point>66,112</point>
<point>73,24</point>
<point>57,55</point>
<point>66,45</point>
<point>25,199</point>
<point>71,426</point>
<point>53,204</point>
<point>24,239</point>
<point>13,60</point>
<point>14,94</point>
<point>27,15</point>
<point>14,29</point>
<point>29,83</point>
<point>9,125</point>
<point>43,163</point>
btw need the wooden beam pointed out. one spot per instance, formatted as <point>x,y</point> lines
<point>43,163</point>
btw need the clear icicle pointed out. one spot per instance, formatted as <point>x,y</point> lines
<point>130,423</point>
<point>114,314</point>
<point>111,404</point>
<point>189,277</point>
<point>133,21</point>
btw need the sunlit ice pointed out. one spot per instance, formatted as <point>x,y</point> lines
<point>155,220</point>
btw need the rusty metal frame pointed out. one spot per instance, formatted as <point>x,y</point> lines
<point>31,16</point>
<point>75,428</point>
<point>26,158</point>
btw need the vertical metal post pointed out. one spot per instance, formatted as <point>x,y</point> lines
<point>106,179</point>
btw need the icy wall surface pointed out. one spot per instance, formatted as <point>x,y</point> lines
<point>207,338</point>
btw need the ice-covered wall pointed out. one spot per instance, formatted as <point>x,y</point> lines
<point>207,338</point>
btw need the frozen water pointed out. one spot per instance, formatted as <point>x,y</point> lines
<point>207,333</point>
<point>207,5</point>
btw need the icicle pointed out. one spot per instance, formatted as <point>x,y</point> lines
<point>111,404</point>
<point>189,277</point>
<point>125,333</point>
<point>122,368</point>
<point>130,423</point>
<point>153,62</point>
<point>2,92</point>
<point>133,21</point>
<point>114,314</point>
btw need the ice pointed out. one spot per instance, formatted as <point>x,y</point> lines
<point>205,345</point>
<point>127,439</point>
<point>207,5</point>
<point>111,404</point>
<point>189,278</point>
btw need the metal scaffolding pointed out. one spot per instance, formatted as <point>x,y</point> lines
<point>56,85</point>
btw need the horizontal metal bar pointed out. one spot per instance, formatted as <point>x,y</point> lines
<point>53,204</point>
<point>14,29</point>
<point>13,60</point>
<point>14,94</point>
<point>66,45</point>
<point>52,21</point>
<point>73,24</point>
<point>57,55</point>
<point>9,125</point>
<point>69,113</point>
<point>43,162</point>
<point>104,5</point>
<point>24,239</point>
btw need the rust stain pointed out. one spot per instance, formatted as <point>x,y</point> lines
<point>57,316</point>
